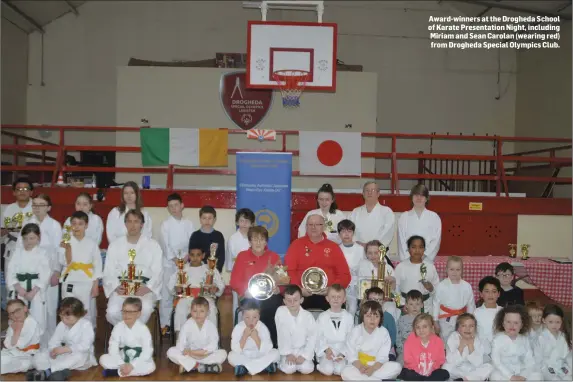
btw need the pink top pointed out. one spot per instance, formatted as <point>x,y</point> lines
<point>424,359</point>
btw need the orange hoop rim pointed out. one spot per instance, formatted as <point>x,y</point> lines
<point>287,75</point>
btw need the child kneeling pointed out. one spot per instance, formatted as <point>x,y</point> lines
<point>71,346</point>
<point>368,348</point>
<point>198,342</point>
<point>251,346</point>
<point>130,351</point>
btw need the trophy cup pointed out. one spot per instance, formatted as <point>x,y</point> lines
<point>131,266</point>
<point>525,251</point>
<point>66,237</point>
<point>182,278</point>
<point>423,272</point>
<point>329,226</point>
<point>379,280</point>
<point>212,263</point>
<point>18,218</point>
<point>512,250</point>
<point>7,223</point>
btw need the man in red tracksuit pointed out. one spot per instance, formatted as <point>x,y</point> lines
<point>315,250</point>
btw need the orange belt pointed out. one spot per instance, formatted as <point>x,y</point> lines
<point>31,347</point>
<point>451,312</point>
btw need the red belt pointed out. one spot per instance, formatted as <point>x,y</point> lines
<point>451,312</point>
<point>31,347</point>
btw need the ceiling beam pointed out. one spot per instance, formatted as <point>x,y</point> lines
<point>72,7</point>
<point>507,7</point>
<point>563,7</point>
<point>25,16</point>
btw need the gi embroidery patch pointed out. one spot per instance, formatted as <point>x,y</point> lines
<point>327,252</point>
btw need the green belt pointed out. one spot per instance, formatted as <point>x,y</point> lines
<point>137,349</point>
<point>28,277</point>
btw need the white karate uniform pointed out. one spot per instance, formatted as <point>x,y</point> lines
<point>77,283</point>
<point>195,277</point>
<point>513,357</point>
<point>35,261</point>
<point>297,336</point>
<point>553,353</point>
<point>174,241</point>
<point>408,278</point>
<point>353,257</point>
<point>236,244</point>
<point>534,334</point>
<point>485,318</point>
<point>428,225</point>
<point>94,230</point>
<point>254,359</point>
<point>115,225</point>
<point>147,260</point>
<point>14,359</point>
<point>9,212</point>
<point>192,337</point>
<point>79,338</point>
<point>376,225</point>
<point>137,336</point>
<point>330,231</point>
<point>452,296</point>
<point>376,344</point>
<point>466,365</point>
<point>333,330</point>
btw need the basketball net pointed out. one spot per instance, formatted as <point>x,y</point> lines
<point>292,84</point>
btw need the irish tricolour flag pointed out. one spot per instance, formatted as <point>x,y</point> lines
<point>184,147</point>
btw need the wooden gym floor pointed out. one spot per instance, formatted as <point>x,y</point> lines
<point>168,371</point>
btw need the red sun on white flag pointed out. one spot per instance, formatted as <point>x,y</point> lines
<point>327,153</point>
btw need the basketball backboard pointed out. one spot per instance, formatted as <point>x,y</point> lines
<point>276,45</point>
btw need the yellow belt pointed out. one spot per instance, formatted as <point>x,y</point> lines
<point>365,358</point>
<point>87,268</point>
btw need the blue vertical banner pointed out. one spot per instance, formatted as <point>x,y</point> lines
<point>264,186</point>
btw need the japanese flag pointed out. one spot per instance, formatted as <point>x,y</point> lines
<point>327,153</point>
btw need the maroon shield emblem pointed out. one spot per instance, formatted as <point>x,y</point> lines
<point>245,107</point>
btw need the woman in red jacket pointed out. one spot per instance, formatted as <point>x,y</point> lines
<point>257,259</point>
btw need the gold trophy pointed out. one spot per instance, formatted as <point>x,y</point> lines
<point>182,278</point>
<point>512,250</point>
<point>66,237</point>
<point>423,273</point>
<point>525,251</point>
<point>131,266</point>
<point>212,263</point>
<point>7,223</point>
<point>328,226</point>
<point>18,218</point>
<point>379,280</point>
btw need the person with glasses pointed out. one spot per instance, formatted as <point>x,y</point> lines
<point>315,250</point>
<point>510,293</point>
<point>327,207</point>
<point>22,339</point>
<point>373,221</point>
<point>22,190</point>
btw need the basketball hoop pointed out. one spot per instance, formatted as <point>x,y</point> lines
<point>291,84</point>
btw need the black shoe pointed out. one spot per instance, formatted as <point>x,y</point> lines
<point>110,373</point>
<point>213,368</point>
<point>61,375</point>
<point>40,376</point>
<point>240,371</point>
<point>30,375</point>
<point>272,368</point>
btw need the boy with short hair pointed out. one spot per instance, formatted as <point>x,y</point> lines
<point>296,332</point>
<point>207,235</point>
<point>489,288</point>
<point>413,307</point>
<point>196,273</point>
<point>22,189</point>
<point>22,339</point>
<point>251,346</point>
<point>174,240</point>
<point>130,350</point>
<point>377,294</point>
<point>353,252</point>
<point>509,293</point>
<point>334,325</point>
<point>81,259</point>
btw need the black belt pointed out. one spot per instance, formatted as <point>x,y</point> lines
<point>424,296</point>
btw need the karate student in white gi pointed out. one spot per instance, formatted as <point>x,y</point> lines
<point>416,273</point>
<point>70,348</point>
<point>130,350</point>
<point>489,289</point>
<point>174,240</point>
<point>94,229</point>
<point>196,272</point>
<point>130,200</point>
<point>81,260</point>
<point>353,253</point>
<point>334,326</point>
<point>22,339</point>
<point>328,209</point>
<point>368,346</point>
<point>511,352</point>
<point>536,314</point>
<point>465,352</point>
<point>421,222</point>
<point>198,343</point>
<point>239,242</point>
<point>296,333</point>
<point>22,190</point>
<point>369,267</point>
<point>453,297</point>
<point>28,277</point>
<point>251,345</point>
<point>553,347</point>
<point>373,220</point>
<point>147,268</point>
